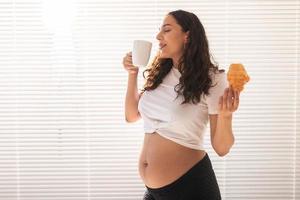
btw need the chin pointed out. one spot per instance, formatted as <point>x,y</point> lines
<point>164,55</point>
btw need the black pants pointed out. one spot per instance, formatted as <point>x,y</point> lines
<point>198,183</point>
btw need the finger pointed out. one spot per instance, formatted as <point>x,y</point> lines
<point>230,93</point>
<point>220,102</point>
<point>128,63</point>
<point>225,99</point>
<point>127,59</point>
<point>133,67</point>
<point>229,98</point>
<point>236,100</point>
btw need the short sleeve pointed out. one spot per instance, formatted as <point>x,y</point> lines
<point>220,83</point>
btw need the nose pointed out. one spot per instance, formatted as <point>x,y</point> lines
<point>158,36</point>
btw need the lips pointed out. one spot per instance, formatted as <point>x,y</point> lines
<point>161,46</point>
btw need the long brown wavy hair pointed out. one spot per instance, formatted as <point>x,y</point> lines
<point>194,65</point>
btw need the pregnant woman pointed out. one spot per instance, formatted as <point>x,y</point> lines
<point>183,91</point>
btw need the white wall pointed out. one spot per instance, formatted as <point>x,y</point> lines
<point>62,89</point>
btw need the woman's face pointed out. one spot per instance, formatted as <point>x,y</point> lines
<point>171,39</point>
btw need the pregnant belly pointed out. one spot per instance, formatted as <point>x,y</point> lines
<point>162,161</point>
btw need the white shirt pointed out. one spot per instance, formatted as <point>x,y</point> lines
<point>184,124</point>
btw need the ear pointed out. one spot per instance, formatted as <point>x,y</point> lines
<point>186,37</point>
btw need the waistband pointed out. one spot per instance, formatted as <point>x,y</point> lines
<point>201,166</point>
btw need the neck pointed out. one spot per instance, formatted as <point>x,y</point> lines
<point>175,64</point>
<point>175,61</point>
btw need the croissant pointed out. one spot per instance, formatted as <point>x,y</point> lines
<point>237,76</point>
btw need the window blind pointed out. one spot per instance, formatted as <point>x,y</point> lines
<point>62,87</point>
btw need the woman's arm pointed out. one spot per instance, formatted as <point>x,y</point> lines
<point>132,98</point>
<point>222,137</point>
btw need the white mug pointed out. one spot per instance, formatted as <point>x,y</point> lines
<point>141,52</point>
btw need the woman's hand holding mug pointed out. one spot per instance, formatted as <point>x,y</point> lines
<point>127,63</point>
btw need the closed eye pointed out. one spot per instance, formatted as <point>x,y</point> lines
<point>164,30</point>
